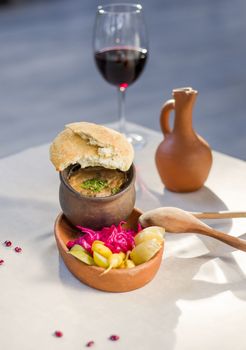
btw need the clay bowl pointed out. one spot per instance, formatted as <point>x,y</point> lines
<point>96,212</point>
<point>116,280</point>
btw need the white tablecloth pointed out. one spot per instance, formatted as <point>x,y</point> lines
<point>196,301</point>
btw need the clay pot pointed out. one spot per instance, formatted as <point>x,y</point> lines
<point>183,158</point>
<point>116,280</point>
<point>96,212</point>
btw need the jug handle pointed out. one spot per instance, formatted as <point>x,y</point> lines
<point>164,118</point>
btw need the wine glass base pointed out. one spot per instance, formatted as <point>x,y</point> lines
<point>137,141</point>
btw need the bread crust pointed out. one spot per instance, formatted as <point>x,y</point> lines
<point>91,144</point>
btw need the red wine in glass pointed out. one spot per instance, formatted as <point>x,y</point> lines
<point>120,47</point>
<point>121,66</point>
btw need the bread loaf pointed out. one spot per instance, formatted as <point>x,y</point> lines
<point>90,144</point>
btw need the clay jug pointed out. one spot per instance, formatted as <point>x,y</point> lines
<point>183,158</point>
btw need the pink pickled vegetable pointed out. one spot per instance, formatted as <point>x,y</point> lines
<point>116,238</point>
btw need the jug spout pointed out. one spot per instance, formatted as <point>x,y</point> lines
<point>185,99</point>
<point>185,90</point>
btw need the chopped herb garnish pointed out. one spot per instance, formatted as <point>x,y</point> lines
<point>115,190</point>
<point>94,185</point>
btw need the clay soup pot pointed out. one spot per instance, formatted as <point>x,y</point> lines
<point>97,212</point>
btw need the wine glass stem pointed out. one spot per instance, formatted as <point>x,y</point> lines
<point>121,103</point>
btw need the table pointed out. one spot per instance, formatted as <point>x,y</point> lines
<point>196,301</point>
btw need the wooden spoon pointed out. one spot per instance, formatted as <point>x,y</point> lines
<point>219,214</point>
<point>176,220</point>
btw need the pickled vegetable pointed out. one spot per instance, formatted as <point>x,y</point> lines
<point>115,260</point>
<point>153,232</point>
<point>144,251</point>
<point>129,264</point>
<point>100,248</point>
<point>115,247</point>
<point>116,238</point>
<point>100,260</point>
<point>80,253</point>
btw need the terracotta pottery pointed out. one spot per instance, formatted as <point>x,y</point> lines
<point>116,280</point>
<point>96,212</point>
<point>183,158</point>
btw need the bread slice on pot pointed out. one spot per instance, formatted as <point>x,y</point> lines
<point>90,144</point>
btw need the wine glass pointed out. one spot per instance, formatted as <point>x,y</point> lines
<point>120,51</point>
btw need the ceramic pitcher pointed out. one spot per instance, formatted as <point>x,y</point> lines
<point>183,158</point>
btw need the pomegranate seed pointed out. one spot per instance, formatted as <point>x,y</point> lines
<point>18,250</point>
<point>90,343</point>
<point>1,261</point>
<point>58,334</point>
<point>8,243</point>
<point>114,337</point>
